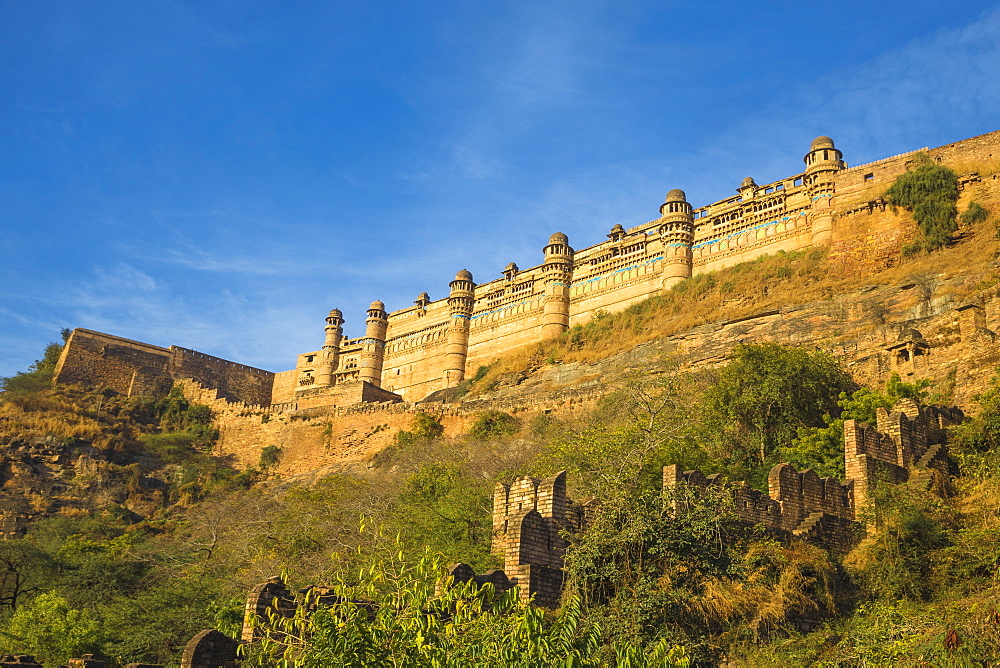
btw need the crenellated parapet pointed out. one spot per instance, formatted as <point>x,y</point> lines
<point>906,445</point>
<point>531,519</point>
<point>905,441</point>
<point>796,501</point>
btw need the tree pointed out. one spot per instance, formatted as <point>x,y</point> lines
<point>822,448</point>
<point>767,392</point>
<point>38,376</point>
<point>494,424</point>
<point>650,421</point>
<point>52,630</point>
<point>929,192</point>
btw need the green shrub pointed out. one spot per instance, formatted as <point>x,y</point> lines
<point>929,192</point>
<point>38,377</point>
<point>974,214</point>
<point>494,424</point>
<point>270,456</point>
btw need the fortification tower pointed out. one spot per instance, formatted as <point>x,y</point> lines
<point>461,300</point>
<point>823,161</point>
<point>558,275</point>
<point>331,348</point>
<point>677,235</point>
<point>373,346</point>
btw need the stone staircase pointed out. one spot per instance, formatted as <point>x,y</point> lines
<point>922,475</point>
<point>807,525</point>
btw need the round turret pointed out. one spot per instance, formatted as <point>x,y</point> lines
<point>823,161</point>
<point>676,203</point>
<point>821,142</point>
<point>376,306</point>
<point>676,231</point>
<point>558,238</point>
<point>464,275</point>
<point>336,313</point>
<point>748,181</point>
<point>823,156</point>
<point>511,267</point>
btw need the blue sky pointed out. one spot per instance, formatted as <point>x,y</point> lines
<point>218,175</point>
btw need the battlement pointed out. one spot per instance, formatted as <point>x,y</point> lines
<point>907,437</point>
<point>828,204</point>
<point>792,496</point>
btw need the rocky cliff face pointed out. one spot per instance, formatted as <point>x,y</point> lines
<point>43,476</point>
<point>70,452</point>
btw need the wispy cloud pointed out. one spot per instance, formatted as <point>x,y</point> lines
<point>926,93</point>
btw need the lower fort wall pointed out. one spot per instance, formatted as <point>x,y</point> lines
<point>335,437</point>
<point>236,382</point>
<point>132,368</point>
<point>101,360</point>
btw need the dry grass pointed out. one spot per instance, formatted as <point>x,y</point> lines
<point>66,414</point>
<point>782,585</point>
<point>981,167</point>
<point>764,284</point>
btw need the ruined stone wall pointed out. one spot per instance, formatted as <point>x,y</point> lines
<point>530,521</point>
<point>793,496</point>
<point>907,444</point>
<point>906,438</point>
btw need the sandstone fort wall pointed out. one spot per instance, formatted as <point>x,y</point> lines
<point>435,343</point>
<point>133,369</point>
<point>828,204</point>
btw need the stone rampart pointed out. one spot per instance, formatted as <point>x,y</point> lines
<point>132,368</point>
<point>828,205</point>
<point>236,382</point>
<point>102,360</point>
<point>793,498</point>
<point>531,519</point>
<point>906,438</point>
<point>907,444</point>
<point>415,351</point>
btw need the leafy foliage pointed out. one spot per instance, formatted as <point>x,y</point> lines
<point>768,392</point>
<point>270,455</point>
<point>389,615</point>
<point>651,574</point>
<point>929,192</point>
<point>52,630</point>
<point>494,424</point>
<point>974,214</point>
<point>426,427</point>
<point>822,448</point>
<point>38,376</point>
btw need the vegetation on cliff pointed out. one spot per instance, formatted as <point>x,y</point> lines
<point>697,589</point>
<point>929,192</point>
